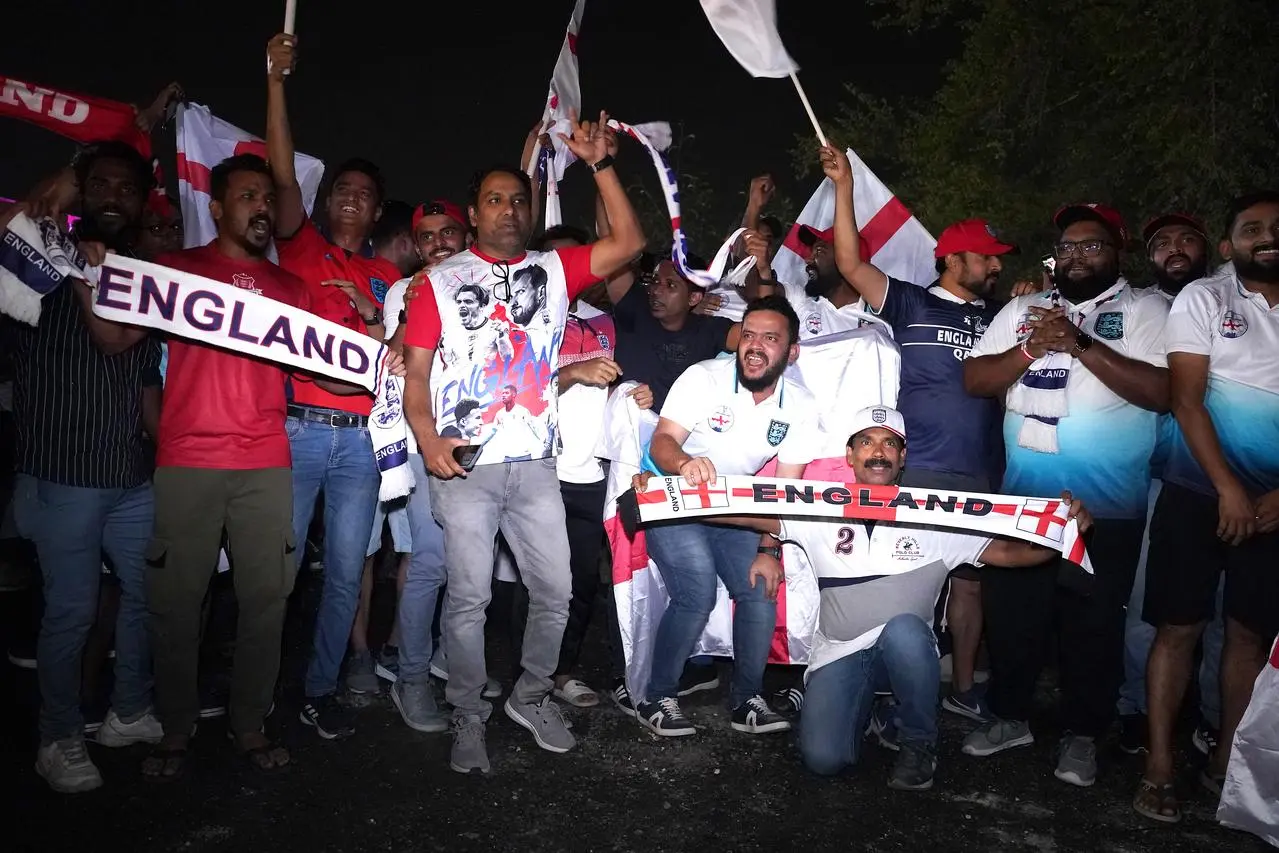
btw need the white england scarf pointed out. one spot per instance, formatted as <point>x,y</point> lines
<point>189,306</point>
<point>1038,520</point>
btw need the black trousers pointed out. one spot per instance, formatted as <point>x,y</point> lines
<point>584,515</point>
<point>1025,608</point>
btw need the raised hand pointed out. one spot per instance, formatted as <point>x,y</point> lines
<point>587,142</point>
<point>761,191</point>
<point>835,164</point>
<point>281,56</point>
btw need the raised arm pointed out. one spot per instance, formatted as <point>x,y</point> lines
<point>619,283</point>
<point>590,142</point>
<point>290,213</point>
<point>760,193</point>
<point>862,276</point>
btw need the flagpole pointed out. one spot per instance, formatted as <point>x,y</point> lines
<point>808,108</point>
<point>290,15</point>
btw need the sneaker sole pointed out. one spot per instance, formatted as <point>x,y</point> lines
<point>660,732</point>
<point>79,787</point>
<point>532,729</point>
<point>468,771</point>
<point>767,728</point>
<point>1130,750</point>
<point>324,733</point>
<point>364,689</point>
<point>902,786</point>
<point>491,694</point>
<point>22,663</point>
<point>630,712</point>
<point>428,728</point>
<point>964,711</point>
<point>698,688</point>
<point>1025,740</point>
<point>118,741</point>
<point>385,674</point>
<point>1070,777</point>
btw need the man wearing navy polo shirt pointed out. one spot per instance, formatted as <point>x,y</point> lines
<point>955,438</point>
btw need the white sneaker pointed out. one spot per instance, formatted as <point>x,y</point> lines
<point>115,732</point>
<point>66,766</point>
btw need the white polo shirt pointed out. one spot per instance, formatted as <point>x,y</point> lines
<point>1239,332</point>
<point>1105,442</point>
<point>726,425</point>
<point>866,575</point>
<point>818,317</point>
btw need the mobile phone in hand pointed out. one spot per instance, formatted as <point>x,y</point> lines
<point>466,455</point>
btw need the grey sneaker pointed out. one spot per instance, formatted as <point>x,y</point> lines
<point>417,706</point>
<point>545,721</point>
<point>360,674</point>
<point>913,770</point>
<point>997,736</point>
<point>67,767</point>
<point>1076,760</point>
<point>469,752</point>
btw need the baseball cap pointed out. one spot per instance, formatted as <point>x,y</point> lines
<point>808,235</point>
<point>1069,214</point>
<point>440,207</point>
<point>878,416</point>
<point>971,235</point>
<point>1152,227</point>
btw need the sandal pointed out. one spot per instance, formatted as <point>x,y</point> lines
<point>162,759</point>
<point>577,694</point>
<point>263,759</point>
<point>1157,802</point>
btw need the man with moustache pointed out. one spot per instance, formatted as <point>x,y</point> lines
<point>1110,382</point>
<point>1219,509</point>
<point>82,487</point>
<point>726,416</point>
<point>955,442</point>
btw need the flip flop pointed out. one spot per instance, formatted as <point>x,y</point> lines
<point>258,757</point>
<point>1152,801</point>
<point>165,755</point>
<point>577,694</point>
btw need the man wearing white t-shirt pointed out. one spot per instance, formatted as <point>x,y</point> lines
<point>1083,372</point>
<point>726,416</point>
<point>522,499</point>
<point>879,584</point>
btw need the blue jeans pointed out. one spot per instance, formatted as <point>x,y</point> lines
<point>423,582</point>
<point>72,527</point>
<point>839,695</point>
<point>340,461</point>
<point>690,557</point>
<point>1139,636</point>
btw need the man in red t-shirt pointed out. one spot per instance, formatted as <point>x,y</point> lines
<point>223,461</point>
<point>513,484</point>
<point>328,422</point>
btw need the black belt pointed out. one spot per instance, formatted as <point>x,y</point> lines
<point>332,417</point>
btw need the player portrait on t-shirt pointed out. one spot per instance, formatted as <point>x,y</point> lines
<point>485,336</point>
<point>469,421</point>
<point>528,293</point>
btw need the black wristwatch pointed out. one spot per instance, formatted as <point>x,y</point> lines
<point>771,550</point>
<point>603,163</point>
<point>373,319</point>
<point>1083,341</point>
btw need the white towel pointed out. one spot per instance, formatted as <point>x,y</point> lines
<point>1040,397</point>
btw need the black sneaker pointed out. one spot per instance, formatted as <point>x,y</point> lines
<point>1205,737</point>
<point>664,718</point>
<point>913,770</point>
<point>881,724</point>
<point>1132,733</point>
<point>622,698</point>
<point>328,717</point>
<point>697,678</point>
<point>755,717</point>
<point>789,700</point>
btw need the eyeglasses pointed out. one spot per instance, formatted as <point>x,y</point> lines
<point>502,289</point>
<point>1086,248</point>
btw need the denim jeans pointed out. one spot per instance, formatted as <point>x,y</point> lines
<point>1139,636</point>
<point>72,527</point>
<point>839,695</point>
<point>340,461</point>
<point>522,500</point>
<point>426,576</point>
<point>690,557</point>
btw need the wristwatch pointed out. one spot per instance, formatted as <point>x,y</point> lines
<point>1083,341</point>
<point>373,319</point>
<point>603,163</point>
<point>771,550</point>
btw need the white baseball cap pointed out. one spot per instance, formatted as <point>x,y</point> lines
<point>878,416</point>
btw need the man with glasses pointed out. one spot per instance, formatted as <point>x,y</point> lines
<point>1083,373</point>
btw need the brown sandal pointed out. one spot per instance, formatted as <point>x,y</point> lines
<point>162,759</point>
<point>263,758</point>
<point>1157,802</point>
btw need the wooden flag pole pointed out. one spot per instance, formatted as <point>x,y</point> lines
<point>808,108</point>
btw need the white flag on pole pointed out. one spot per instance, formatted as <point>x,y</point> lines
<point>748,28</point>
<point>204,140</point>
<point>563,97</point>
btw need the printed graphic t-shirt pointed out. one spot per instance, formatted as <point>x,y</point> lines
<point>496,327</point>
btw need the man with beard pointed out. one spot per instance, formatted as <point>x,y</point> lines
<point>328,421</point>
<point>956,437</point>
<point>522,499</point>
<point>726,416</point>
<point>83,487</point>
<point>528,294</point>
<point>1083,371</point>
<point>1177,248</point>
<point>1219,509</point>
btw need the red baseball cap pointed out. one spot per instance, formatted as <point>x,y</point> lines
<point>808,235</point>
<point>440,207</point>
<point>971,235</point>
<point>1152,227</point>
<point>1069,214</point>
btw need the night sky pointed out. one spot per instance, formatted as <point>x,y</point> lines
<point>432,91</point>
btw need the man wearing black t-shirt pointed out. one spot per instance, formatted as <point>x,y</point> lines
<point>955,438</point>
